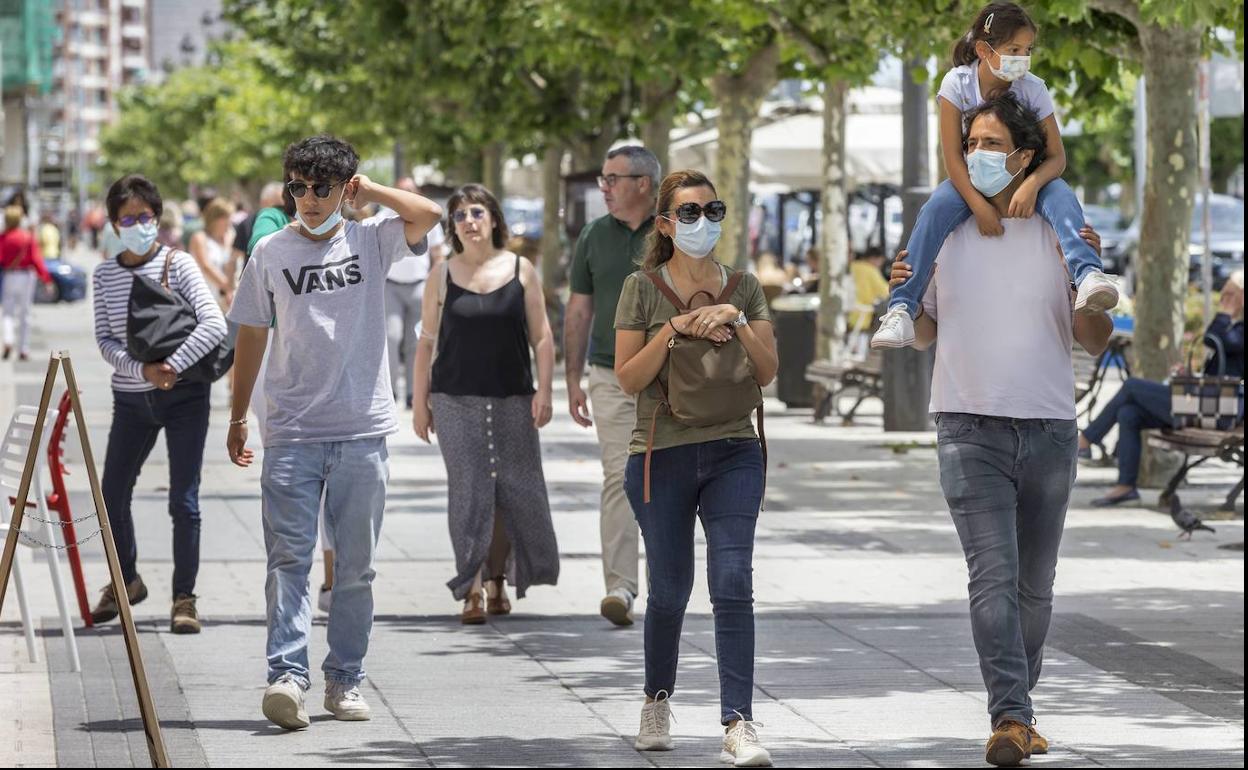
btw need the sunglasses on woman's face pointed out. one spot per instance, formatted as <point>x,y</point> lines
<point>690,212</point>
<point>461,215</point>
<point>319,189</point>
<point>146,217</point>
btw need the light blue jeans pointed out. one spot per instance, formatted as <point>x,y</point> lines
<point>946,209</point>
<point>353,476</point>
<point>1007,482</point>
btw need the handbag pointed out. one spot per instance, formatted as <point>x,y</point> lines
<point>1212,402</point>
<point>160,319</point>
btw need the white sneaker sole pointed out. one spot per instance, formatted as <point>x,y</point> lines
<point>615,609</point>
<point>890,344</point>
<point>285,711</point>
<point>761,759</point>
<point>343,715</point>
<point>1100,301</point>
<point>653,744</point>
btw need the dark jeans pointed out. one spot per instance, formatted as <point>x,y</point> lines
<point>720,482</point>
<point>1138,405</point>
<point>1007,483</point>
<point>137,421</point>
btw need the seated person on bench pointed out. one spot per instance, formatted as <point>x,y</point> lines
<point>1143,404</point>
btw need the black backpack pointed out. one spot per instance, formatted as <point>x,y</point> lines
<point>160,319</point>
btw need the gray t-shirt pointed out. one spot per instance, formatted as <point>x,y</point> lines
<point>328,378</point>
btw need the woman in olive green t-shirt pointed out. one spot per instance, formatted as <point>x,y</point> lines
<point>714,473</point>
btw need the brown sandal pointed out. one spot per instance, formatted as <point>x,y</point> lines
<point>474,614</point>
<point>498,604</point>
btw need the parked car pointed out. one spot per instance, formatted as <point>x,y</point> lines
<point>69,283</point>
<point>1226,238</point>
<point>1114,230</point>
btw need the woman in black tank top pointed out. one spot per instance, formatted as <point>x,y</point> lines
<point>482,313</point>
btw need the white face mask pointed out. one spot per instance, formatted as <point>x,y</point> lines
<point>988,171</point>
<point>697,239</point>
<point>138,239</point>
<point>330,222</point>
<point>1012,67</point>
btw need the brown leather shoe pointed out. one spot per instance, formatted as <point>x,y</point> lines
<point>184,618</point>
<point>474,612</point>
<point>498,604</point>
<point>1039,744</point>
<point>106,608</point>
<point>1009,744</point>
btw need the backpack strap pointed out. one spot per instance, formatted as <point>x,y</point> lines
<point>666,291</point>
<point>170,253</point>
<point>734,280</point>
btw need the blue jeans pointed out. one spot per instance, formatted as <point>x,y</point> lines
<point>138,419</point>
<point>1007,483</point>
<point>720,482</point>
<point>946,209</point>
<point>353,476</point>
<point>1138,405</point>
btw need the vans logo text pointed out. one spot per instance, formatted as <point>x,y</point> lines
<point>335,275</point>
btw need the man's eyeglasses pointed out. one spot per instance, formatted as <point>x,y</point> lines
<point>145,218</point>
<point>319,189</point>
<point>610,179</point>
<point>690,212</point>
<point>460,216</point>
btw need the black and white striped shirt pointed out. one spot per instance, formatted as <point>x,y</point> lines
<point>111,284</point>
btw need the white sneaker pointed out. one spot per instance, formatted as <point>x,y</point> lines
<point>345,703</point>
<point>283,704</point>
<point>896,329</point>
<point>617,607</point>
<point>1097,294</point>
<point>741,746</point>
<point>324,599</point>
<point>656,729</point>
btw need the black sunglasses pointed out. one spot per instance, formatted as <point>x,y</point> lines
<point>461,215</point>
<point>319,189</point>
<point>142,219</point>
<point>690,212</point>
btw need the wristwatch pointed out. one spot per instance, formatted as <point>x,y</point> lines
<point>740,320</point>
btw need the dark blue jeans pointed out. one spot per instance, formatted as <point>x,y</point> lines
<point>1138,405</point>
<point>1007,483</point>
<point>720,482</point>
<point>137,421</point>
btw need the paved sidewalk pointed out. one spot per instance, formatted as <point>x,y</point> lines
<point>864,655</point>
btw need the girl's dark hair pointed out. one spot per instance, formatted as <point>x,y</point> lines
<point>475,193</point>
<point>996,24</point>
<point>132,186</point>
<point>1025,128</point>
<point>321,158</point>
<point>659,247</point>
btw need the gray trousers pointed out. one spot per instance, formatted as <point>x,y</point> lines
<point>403,302</point>
<point>1007,482</point>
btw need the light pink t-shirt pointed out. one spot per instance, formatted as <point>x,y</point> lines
<point>961,89</point>
<point>1004,324</point>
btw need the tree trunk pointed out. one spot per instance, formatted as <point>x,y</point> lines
<point>1170,59</point>
<point>739,96</point>
<point>492,157</point>
<point>552,220</point>
<point>834,232</point>
<point>658,110</point>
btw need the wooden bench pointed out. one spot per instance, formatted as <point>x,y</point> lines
<point>863,378</point>
<point>1199,445</point>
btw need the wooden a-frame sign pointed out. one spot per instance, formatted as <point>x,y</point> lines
<point>151,725</point>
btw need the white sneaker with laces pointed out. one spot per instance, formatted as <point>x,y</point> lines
<point>324,599</point>
<point>617,607</point>
<point>1097,294</point>
<point>741,746</point>
<point>345,702</point>
<point>896,329</point>
<point>283,704</point>
<point>656,729</point>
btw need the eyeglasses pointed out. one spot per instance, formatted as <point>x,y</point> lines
<point>319,189</point>
<point>690,212</point>
<point>461,215</point>
<point>610,179</point>
<point>145,218</point>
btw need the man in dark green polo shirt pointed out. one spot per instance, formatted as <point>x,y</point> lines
<point>608,251</point>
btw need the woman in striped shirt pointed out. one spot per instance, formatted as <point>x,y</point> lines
<point>149,397</point>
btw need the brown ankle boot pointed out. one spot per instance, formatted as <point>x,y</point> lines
<point>474,611</point>
<point>1039,744</point>
<point>184,618</point>
<point>106,609</point>
<point>1009,744</point>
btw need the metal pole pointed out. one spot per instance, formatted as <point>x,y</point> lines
<point>1206,183</point>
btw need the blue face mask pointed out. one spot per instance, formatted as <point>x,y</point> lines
<point>138,239</point>
<point>330,222</point>
<point>697,239</point>
<point>988,172</point>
